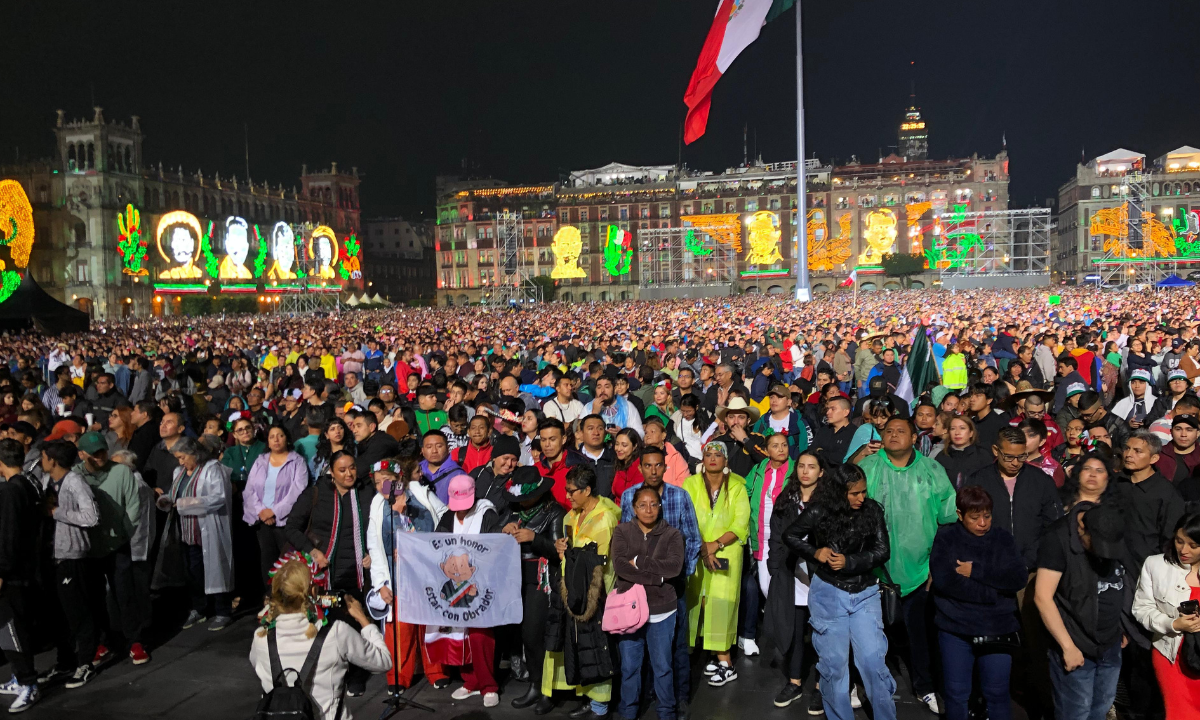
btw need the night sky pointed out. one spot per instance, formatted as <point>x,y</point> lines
<point>527,90</point>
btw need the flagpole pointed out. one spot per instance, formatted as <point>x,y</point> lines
<point>803,290</point>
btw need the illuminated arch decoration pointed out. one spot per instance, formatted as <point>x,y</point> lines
<point>825,252</point>
<point>283,249</point>
<point>350,268</point>
<point>763,233</point>
<point>566,246</point>
<point>237,250</point>
<point>323,249</point>
<point>183,247</point>
<point>131,245</point>
<point>880,236</point>
<point>618,251</point>
<point>18,234</point>
<point>260,258</point>
<point>695,245</point>
<point>725,228</point>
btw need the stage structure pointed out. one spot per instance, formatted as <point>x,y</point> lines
<point>514,286</point>
<point>685,261</point>
<point>993,248</point>
<point>1140,247</point>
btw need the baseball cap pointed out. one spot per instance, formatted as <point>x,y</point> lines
<point>1185,420</point>
<point>1076,389</point>
<point>1140,374</point>
<point>780,391</point>
<point>1176,343</point>
<point>61,428</point>
<point>92,443</point>
<point>461,492</point>
<point>293,394</point>
<point>1175,374</point>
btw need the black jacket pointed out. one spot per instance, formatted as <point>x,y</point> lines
<point>378,446</point>
<point>605,469</point>
<point>573,625</point>
<point>546,524</point>
<point>142,443</point>
<point>491,487</point>
<point>986,602</point>
<point>1152,508</point>
<point>960,465</point>
<point>158,469</point>
<point>1034,506</point>
<point>491,522</point>
<point>311,522</point>
<point>20,530</point>
<point>785,566</point>
<point>744,455</point>
<point>863,554</point>
<point>988,429</point>
<point>832,444</point>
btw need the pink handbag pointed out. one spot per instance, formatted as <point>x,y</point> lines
<point>625,612</point>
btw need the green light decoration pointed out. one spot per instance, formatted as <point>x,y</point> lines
<point>959,215</point>
<point>954,257</point>
<point>131,246</point>
<point>694,246</point>
<point>618,251</point>
<point>210,260</point>
<point>260,260</point>
<point>11,280</point>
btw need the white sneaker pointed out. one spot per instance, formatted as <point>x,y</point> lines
<point>748,646</point>
<point>854,701</point>
<point>12,687</point>
<point>463,693</point>
<point>26,698</point>
<point>711,667</point>
<point>931,702</point>
<point>491,699</point>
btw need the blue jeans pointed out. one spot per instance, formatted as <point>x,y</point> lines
<point>655,637</point>
<point>680,659</point>
<point>1087,692</point>
<point>958,662</point>
<point>840,620</point>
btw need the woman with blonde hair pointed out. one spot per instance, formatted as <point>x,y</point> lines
<point>296,623</point>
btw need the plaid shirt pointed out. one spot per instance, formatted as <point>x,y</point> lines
<point>677,510</point>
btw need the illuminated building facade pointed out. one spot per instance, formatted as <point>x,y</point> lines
<point>102,246</point>
<point>856,212</point>
<point>1094,216</point>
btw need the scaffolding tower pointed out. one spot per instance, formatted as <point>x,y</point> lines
<point>684,257</point>
<point>311,296</point>
<point>993,243</point>
<point>515,286</point>
<point>1130,254</point>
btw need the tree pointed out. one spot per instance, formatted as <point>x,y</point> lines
<point>903,265</point>
<point>548,285</point>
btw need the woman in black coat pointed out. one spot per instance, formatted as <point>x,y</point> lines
<point>976,571</point>
<point>961,457</point>
<point>786,615</point>
<point>535,520</point>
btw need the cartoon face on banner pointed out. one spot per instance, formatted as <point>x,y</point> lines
<point>283,250</point>
<point>237,249</point>
<point>179,236</point>
<point>763,231</point>
<point>458,567</point>
<point>324,250</point>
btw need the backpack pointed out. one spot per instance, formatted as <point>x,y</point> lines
<point>293,702</point>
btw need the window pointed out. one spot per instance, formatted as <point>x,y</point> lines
<point>730,206</point>
<point>83,275</point>
<point>583,215</point>
<point>623,213</point>
<point>664,211</point>
<point>773,203</point>
<point>480,232</point>
<point>752,205</point>
<point>603,213</point>
<point>962,195</point>
<point>889,200</point>
<point>645,212</point>
<point>686,209</point>
<point>1096,192</point>
<point>80,235</point>
<point>447,258</point>
<point>866,201</point>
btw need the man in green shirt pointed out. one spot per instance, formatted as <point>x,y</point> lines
<point>429,415</point>
<point>916,497</point>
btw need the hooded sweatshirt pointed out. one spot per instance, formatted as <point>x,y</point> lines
<point>1126,408</point>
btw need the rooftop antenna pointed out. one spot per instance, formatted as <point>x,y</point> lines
<point>745,152</point>
<point>246,137</point>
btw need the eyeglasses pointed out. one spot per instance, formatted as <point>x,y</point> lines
<point>1005,457</point>
<point>648,506</point>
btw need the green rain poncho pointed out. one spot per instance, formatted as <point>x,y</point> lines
<point>915,499</point>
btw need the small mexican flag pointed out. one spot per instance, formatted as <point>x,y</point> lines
<point>736,25</point>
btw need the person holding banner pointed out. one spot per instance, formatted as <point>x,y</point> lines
<point>404,515</point>
<point>592,520</point>
<point>534,519</point>
<point>474,649</point>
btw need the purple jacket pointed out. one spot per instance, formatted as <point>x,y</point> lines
<point>441,478</point>
<point>291,481</point>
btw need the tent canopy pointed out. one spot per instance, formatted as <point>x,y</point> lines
<point>31,307</point>
<point>1171,281</point>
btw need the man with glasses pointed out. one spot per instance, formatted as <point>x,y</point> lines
<point>678,512</point>
<point>1091,409</point>
<point>387,396</point>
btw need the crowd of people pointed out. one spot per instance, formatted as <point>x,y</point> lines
<point>763,473</point>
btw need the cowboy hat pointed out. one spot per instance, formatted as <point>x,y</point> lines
<point>1025,389</point>
<point>737,405</point>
